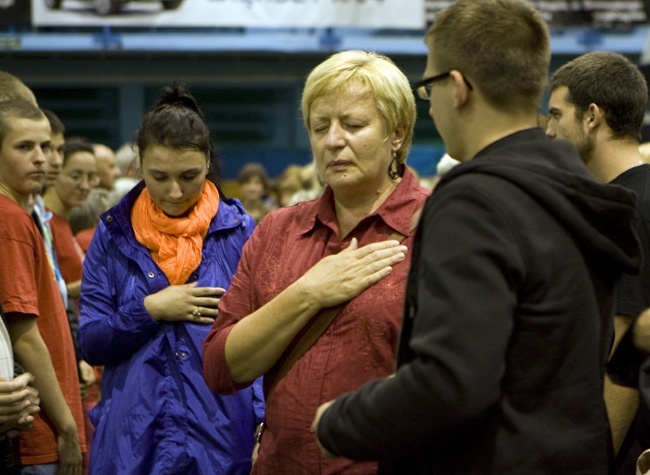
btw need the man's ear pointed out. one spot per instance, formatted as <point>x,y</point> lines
<point>594,116</point>
<point>462,90</point>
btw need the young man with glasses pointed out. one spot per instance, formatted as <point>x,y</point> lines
<point>509,300</point>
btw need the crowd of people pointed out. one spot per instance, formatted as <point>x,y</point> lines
<point>344,318</point>
<point>260,194</point>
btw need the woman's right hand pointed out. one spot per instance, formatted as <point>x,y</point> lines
<point>178,303</point>
<point>256,342</point>
<point>341,277</point>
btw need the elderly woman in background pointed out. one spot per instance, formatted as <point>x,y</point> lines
<point>156,268</point>
<point>335,259</point>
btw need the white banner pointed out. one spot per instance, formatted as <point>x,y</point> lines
<point>398,14</point>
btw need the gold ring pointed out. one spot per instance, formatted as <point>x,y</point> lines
<point>196,312</point>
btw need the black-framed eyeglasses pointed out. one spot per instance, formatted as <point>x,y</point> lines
<point>423,88</point>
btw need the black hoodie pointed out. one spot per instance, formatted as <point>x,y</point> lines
<point>508,323</point>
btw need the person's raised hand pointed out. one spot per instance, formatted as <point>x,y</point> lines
<point>340,277</point>
<point>186,302</point>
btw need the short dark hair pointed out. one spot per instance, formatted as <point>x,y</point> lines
<point>503,46</point>
<point>76,145</point>
<point>55,123</point>
<point>612,82</point>
<point>251,170</point>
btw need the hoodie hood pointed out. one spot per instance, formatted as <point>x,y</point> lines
<point>601,217</point>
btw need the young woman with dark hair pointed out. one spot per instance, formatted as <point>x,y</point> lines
<point>155,271</point>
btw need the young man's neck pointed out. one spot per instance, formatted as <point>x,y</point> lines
<point>496,127</point>
<point>23,201</point>
<point>54,203</point>
<point>614,157</point>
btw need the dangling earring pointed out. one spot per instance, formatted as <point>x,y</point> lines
<point>397,170</point>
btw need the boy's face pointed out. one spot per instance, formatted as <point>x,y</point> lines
<point>54,160</point>
<point>22,159</point>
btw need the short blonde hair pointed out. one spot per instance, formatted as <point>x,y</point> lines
<point>387,84</point>
<point>12,88</point>
<point>16,109</point>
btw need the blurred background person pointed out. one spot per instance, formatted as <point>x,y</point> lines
<point>311,185</point>
<point>126,158</point>
<point>107,170</point>
<point>287,185</point>
<point>155,271</point>
<point>71,188</point>
<point>254,186</point>
<point>336,259</point>
<point>84,218</point>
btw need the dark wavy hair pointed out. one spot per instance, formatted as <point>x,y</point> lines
<point>55,122</point>
<point>177,122</point>
<point>76,145</point>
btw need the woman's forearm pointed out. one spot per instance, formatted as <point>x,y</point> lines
<point>257,341</point>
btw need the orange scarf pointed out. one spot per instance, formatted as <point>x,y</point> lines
<point>175,244</point>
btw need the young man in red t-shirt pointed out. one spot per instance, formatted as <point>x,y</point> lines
<point>36,317</point>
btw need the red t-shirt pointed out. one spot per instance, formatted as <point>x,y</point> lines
<point>84,238</point>
<point>68,252</point>
<point>28,286</point>
<point>358,346</point>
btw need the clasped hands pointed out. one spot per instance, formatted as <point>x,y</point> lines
<point>18,403</point>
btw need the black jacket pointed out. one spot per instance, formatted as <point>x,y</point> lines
<point>508,323</point>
